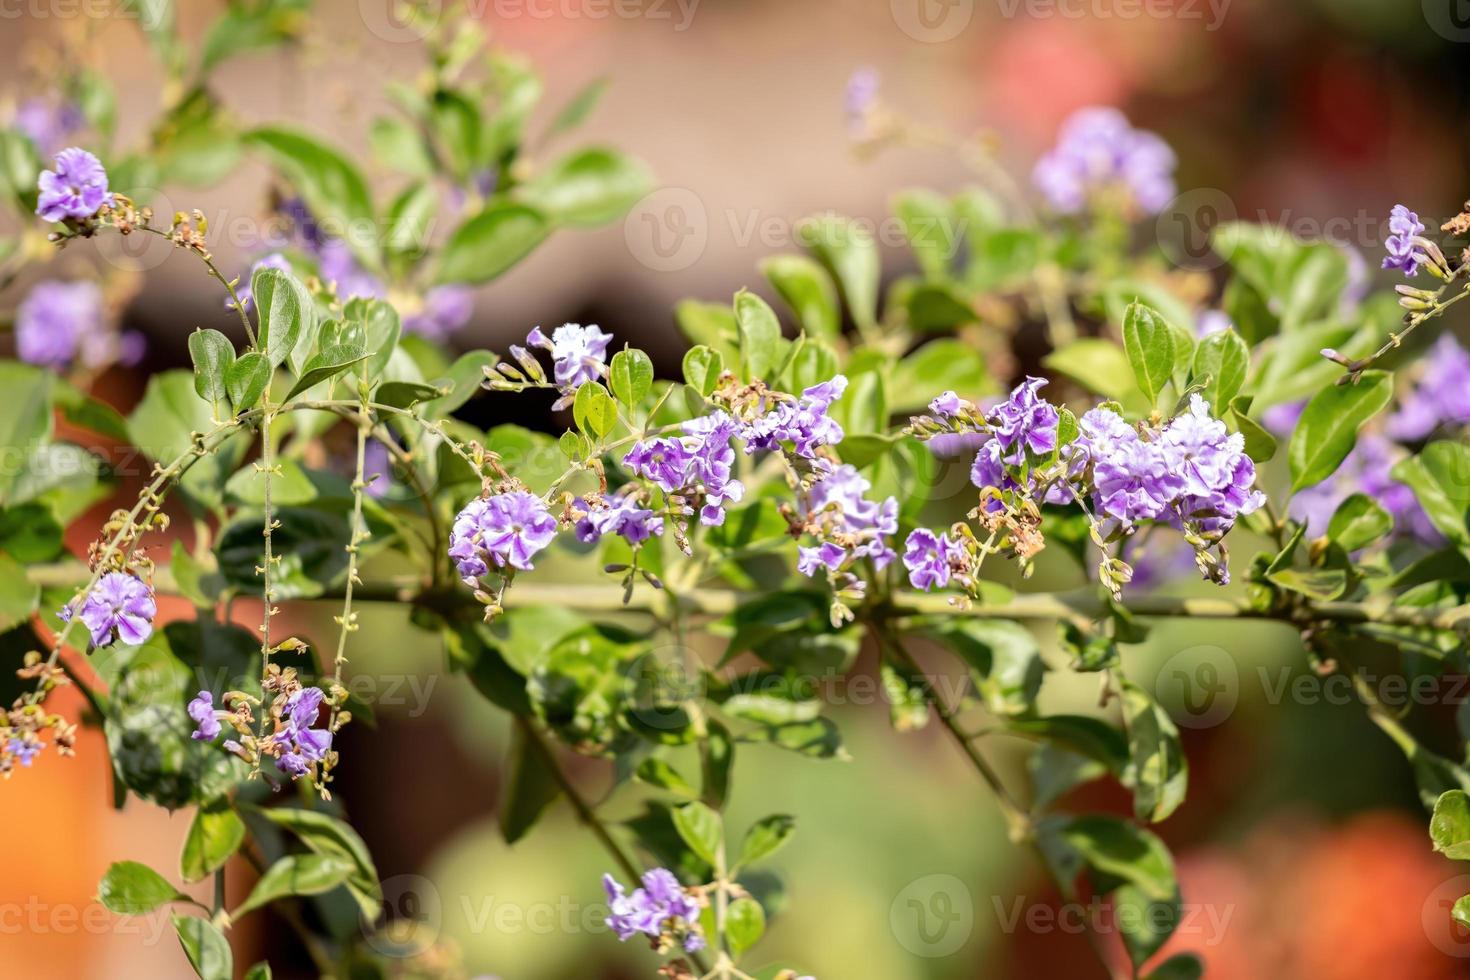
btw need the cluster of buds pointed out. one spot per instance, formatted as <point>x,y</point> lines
<point>189,230</point>
<point>22,726</point>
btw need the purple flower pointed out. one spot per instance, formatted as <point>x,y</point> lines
<point>508,529</point>
<point>55,319</point>
<point>1131,478</point>
<point>623,516</point>
<point>859,99</point>
<point>664,461</point>
<point>76,189</point>
<point>48,124</point>
<point>1216,477</point>
<point>1025,420</point>
<point>946,405</point>
<point>337,265</point>
<point>377,462</point>
<point>445,310</point>
<point>661,904</point>
<point>201,709</point>
<point>837,509</point>
<point>297,715</point>
<point>24,750</point>
<point>1442,396</point>
<point>804,422</point>
<point>1404,253</point>
<point>1282,419</point>
<point>1097,150</point>
<point>579,353</point>
<point>930,558</point>
<point>120,606</point>
<point>1211,321</point>
<point>828,555</point>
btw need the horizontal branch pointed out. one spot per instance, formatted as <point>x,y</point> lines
<point>1084,603</point>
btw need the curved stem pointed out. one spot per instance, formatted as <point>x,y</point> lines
<point>213,271</point>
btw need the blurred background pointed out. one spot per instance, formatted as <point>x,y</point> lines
<point>1302,848</point>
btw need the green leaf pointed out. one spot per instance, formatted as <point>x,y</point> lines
<point>1221,362</point>
<point>213,356</point>
<point>1329,427</point>
<point>589,188</point>
<point>215,833</point>
<point>206,947</point>
<point>490,242</point>
<point>702,368</point>
<point>807,288</point>
<point>247,380</point>
<point>938,306</point>
<point>929,224</point>
<point>765,837</point>
<point>131,888</point>
<point>745,923</point>
<point>1180,966</point>
<point>1157,771</point>
<point>1260,445</point>
<point>381,330</point>
<point>701,828</point>
<point>1149,343</point>
<point>1119,850</point>
<point>285,311</point>
<point>657,772</point>
<point>19,596</point>
<point>527,788</point>
<point>334,190</point>
<point>1003,658</point>
<point>1322,584</point>
<point>297,874</point>
<point>1440,479</point>
<point>760,335</point>
<point>327,364</point>
<point>1358,522</point>
<point>1098,365</point>
<point>594,410</point>
<point>25,416</point>
<point>1449,827</point>
<point>577,109</point>
<point>1461,911</point>
<point>260,971</point>
<point>630,376</point>
<point>850,253</point>
<point>326,834</point>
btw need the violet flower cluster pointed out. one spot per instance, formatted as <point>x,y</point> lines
<point>1405,242</point>
<point>578,354</point>
<point>661,910</point>
<point>296,744</point>
<point>60,323</point>
<point>848,526</point>
<point>1098,151</point>
<point>620,514</point>
<point>119,607</point>
<point>48,123</point>
<point>697,465</point>
<point>506,529</point>
<point>1441,398</point>
<point>76,190</point>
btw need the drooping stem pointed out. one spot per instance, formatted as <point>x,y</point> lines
<point>266,466</point>
<point>357,534</point>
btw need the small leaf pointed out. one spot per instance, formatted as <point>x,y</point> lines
<point>589,188</point>
<point>213,356</point>
<point>630,375</point>
<point>491,242</point>
<point>1149,344</point>
<point>657,772</point>
<point>702,368</point>
<point>131,888</point>
<point>260,971</point>
<point>1260,445</point>
<point>1440,479</point>
<point>325,834</point>
<point>526,790</point>
<point>1180,966</point>
<point>215,833</point>
<point>745,923</point>
<point>701,828</point>
<point>298,874</point>
<point>206,947</point>
<point>847,249</point>
<point>247,380</point>
<point>594,410</point>
<point>1449,827</point>
<point>285,312</point>
<point>760,335</point>
<point>766,837</point>
<point>1220,363</point>
<point>808,290</point>
<point>1358,522</point>
<point>1157,771</point>
<point>327,364</point>
<point>1329,426</point>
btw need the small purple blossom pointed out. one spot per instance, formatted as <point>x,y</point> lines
<point>445,310</point>
<point>946,405</point>
<point>621,516</point>
<point>506,529</point>
<point>859,99</point>
<point>579,353</point>
<point>1025,421</point>
<point>1404,253</point>
<point>1441,397</point>
<point>377,467</point>
<point>838,510</point>
<point>120,606</point>
<point>55,320</point>
<point>76,189</point>
<point>930,558</point>
<point>1210,322</point>
<point>24,750</point>
<point>663,461</point>
<point>659,907</point>
<point>1098,149</point>
<point>803,423</point>
<point>48,123</point>
<point>337,265</point>
<point>298,714</point>
<point>201,709</point>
